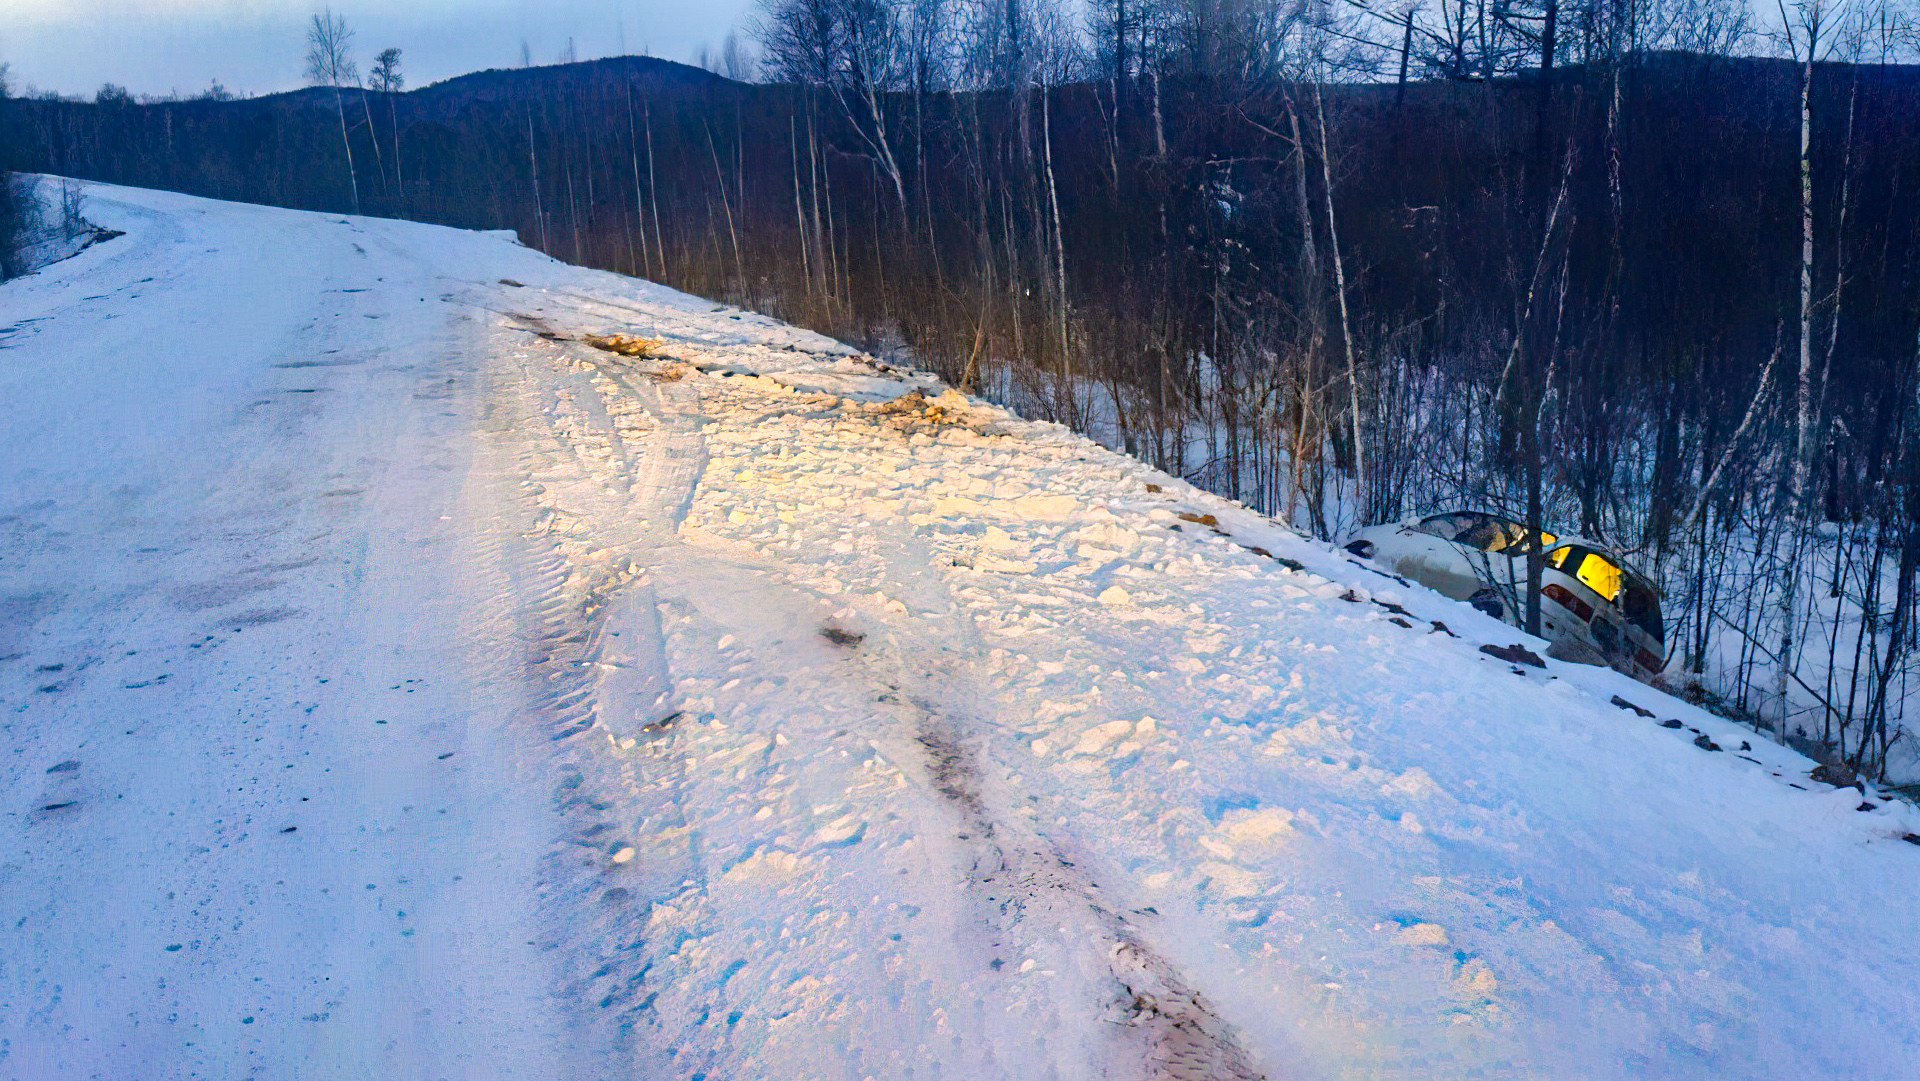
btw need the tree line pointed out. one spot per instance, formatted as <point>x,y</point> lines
<point>1588,262</point>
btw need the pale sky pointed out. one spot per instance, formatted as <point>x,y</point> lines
<point>257,46</point>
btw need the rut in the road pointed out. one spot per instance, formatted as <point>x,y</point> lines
<point>1174,1030</point>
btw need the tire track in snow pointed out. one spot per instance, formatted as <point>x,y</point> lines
<point>1172,1031</point>
<point>565,582</point>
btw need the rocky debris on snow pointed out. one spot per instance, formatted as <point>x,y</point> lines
<point>1836,774</point>
<point>663,723</point>
<point>538,327</point>
<point>1701,741</point>
<point>1622,703</point>
<point>1514,654</point>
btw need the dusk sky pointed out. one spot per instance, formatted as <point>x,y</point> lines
<point>256,46</point>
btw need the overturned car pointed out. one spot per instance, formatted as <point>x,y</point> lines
<point>1594,608</point>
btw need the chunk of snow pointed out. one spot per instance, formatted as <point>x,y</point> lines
<point>1422,934</point>
<point>1256,828</point>
<point>1100,737</point>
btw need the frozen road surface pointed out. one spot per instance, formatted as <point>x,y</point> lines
<point>396,685</point>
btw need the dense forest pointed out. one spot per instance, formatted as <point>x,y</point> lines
<point>1590,263</point>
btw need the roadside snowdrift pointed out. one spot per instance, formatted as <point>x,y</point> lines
<point>397,685</point>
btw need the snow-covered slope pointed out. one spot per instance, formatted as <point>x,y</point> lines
<point>396,685</point>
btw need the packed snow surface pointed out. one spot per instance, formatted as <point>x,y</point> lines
<point>396,685</point>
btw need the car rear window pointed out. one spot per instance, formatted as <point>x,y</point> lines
<point>1642,608</point>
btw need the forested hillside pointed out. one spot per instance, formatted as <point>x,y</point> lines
<point>1617,281</point>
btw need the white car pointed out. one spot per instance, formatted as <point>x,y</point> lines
<point>1593,606</point>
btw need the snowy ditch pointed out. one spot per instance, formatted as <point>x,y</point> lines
<point>749,709</point>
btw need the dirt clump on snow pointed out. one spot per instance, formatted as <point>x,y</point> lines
<point>626,345</point>
<point>1837,774</point>
<point>1514,654</point>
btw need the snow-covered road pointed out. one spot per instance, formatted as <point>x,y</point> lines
<point>396,685</point>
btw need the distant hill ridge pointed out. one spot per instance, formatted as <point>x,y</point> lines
<point>669,78</point>
<point>648,73</point>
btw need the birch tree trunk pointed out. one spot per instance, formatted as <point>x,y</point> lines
<point>1346,326</point>
<point>1059,246</point>
<point>373,136</point>
<point>399,172</point>
<point>639,205</point>
<point>1803,436</point>
<point>533,160</point>
<point>353,181</point>
<point>653,190</point>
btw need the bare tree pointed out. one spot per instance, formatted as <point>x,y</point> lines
<point>389,81</point>
<point>737,61</point>
<point>330,64</point>
<point>386,76</point>
<point>19,216</point>
<point>1808,33</point>
<point>16,203</point>
<point>1057,60</point>
<point>855,49</point>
